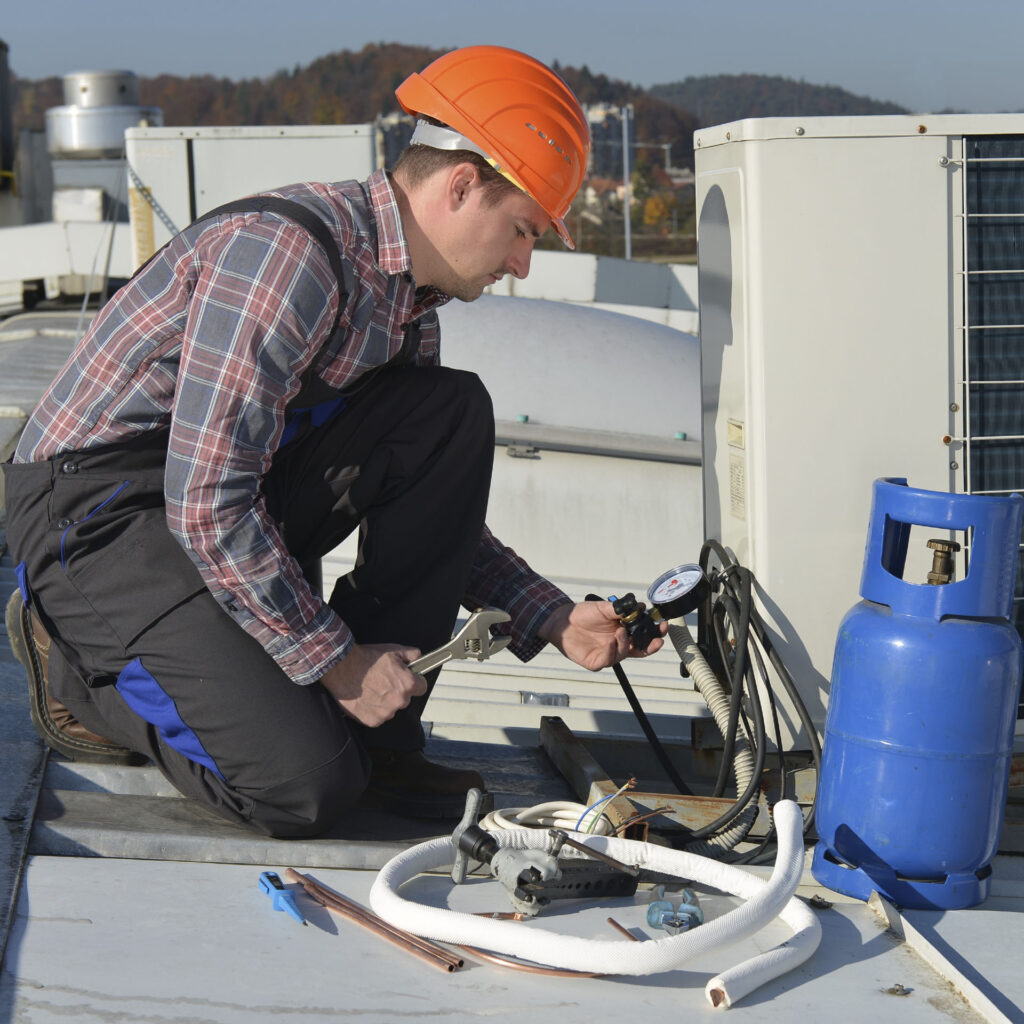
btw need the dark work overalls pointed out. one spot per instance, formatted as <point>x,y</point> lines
<point>142,652</point>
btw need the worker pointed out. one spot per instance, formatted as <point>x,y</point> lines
<point>256,393</point>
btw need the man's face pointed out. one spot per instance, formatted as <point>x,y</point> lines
<point>486,241</point>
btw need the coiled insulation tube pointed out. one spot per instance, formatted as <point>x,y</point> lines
<point>764,902</point>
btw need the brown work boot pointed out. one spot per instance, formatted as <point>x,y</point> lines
<point>59,729</point>
<point>406,783</point>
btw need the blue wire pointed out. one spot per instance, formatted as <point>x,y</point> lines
<point>593,807</point>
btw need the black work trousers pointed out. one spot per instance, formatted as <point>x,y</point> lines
<point>143,654</point>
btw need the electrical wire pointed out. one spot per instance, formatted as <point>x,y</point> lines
<point>628,784</point>
<point>593,807</point>
<point>639,818</point>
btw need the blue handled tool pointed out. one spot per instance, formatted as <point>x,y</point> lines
<point>271,884</point>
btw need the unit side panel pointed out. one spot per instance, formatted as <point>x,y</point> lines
<point>853,334</point>
<point>721,230</point>
<point>848,331</point>
<point>158,191</point>
<point>227,168</point>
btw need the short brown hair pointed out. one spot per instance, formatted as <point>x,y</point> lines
<point>417,163</point>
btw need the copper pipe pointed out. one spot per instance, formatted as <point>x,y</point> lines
<point>522,965</point>
<point>351,907</point>
<point>361,914</point>
<point>625,931</point>
<point>393,937</point>
<point>332,900</point>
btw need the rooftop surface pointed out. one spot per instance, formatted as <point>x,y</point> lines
<point>126,903</point>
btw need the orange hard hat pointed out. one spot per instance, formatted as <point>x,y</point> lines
<point>518,113</point>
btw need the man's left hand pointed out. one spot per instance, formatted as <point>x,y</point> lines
<point>590,634</point>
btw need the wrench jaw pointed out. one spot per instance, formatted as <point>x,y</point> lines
<point>475,649</point>
<point>474,640</point>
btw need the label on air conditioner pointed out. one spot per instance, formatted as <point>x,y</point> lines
<point>737,485</point>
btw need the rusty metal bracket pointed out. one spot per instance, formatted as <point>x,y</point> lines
<point>666,812</point>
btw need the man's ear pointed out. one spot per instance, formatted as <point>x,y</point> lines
<point>462,180</point>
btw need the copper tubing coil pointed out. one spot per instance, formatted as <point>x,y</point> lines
<point>427,951</point>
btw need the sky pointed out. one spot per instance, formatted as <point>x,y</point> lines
<point>926,55</point>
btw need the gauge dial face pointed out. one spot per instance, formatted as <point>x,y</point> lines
<point>674,584</point>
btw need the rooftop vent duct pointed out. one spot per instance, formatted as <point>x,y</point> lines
<point>99,106</point>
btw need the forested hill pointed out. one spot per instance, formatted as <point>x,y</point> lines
<point>341,88</point>
<point>719,99</point>
<point>351,87</point>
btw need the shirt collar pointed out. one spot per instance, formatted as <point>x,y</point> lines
<point>393,256</point>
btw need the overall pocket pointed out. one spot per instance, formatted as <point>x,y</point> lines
<point>113,544</point>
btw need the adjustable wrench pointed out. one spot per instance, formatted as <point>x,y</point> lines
<point>474,640</point>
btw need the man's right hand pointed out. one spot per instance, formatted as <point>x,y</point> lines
<point>373,682</point>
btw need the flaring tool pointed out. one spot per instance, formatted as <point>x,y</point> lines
<point>474,640</point>
<point>283,899</point>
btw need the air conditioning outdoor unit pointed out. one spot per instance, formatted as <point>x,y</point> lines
<point>862,316</point>
<point>177,174</point>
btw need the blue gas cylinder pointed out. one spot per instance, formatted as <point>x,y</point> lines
<point>922,709</point>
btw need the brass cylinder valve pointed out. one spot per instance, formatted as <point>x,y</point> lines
<point>943,564</point>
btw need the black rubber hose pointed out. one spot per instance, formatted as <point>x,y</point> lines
<point>746,671</point>
<point>757,626</point>
<point>714,546</point>
<point>726,608</point>
<point>645,724</point>
<point>787,681</point>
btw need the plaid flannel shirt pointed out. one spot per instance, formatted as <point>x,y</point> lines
<point>209,343</point>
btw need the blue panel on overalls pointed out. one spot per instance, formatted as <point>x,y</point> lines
<point>147,698</point>
<point>21,572</point>
<point>318,416</point>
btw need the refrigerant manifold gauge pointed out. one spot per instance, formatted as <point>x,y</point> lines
<point>679,591</point>
<point>671,596</point>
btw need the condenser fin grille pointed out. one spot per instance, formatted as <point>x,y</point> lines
<point>994,322</point>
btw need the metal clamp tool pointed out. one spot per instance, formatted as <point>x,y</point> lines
<point>474,640</point>
<point>533,877</point>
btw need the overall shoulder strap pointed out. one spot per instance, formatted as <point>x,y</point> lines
<point>301,215</point>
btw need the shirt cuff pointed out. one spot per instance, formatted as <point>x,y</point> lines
<point>305,654</point>
<point>544,601</point>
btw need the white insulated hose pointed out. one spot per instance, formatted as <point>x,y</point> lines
<point>764,901</point>
<point>563,814</point>
<point>709,687</point>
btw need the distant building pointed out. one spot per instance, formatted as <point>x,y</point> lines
<point>394,131</point>
<point>605,120</point>
<point>605,123</point>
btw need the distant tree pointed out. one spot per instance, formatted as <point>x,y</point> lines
<point>655,210</point>
<point>356,86</point>
<point>719,99</point>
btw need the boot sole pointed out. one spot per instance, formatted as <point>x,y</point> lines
<point>16,619</point>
